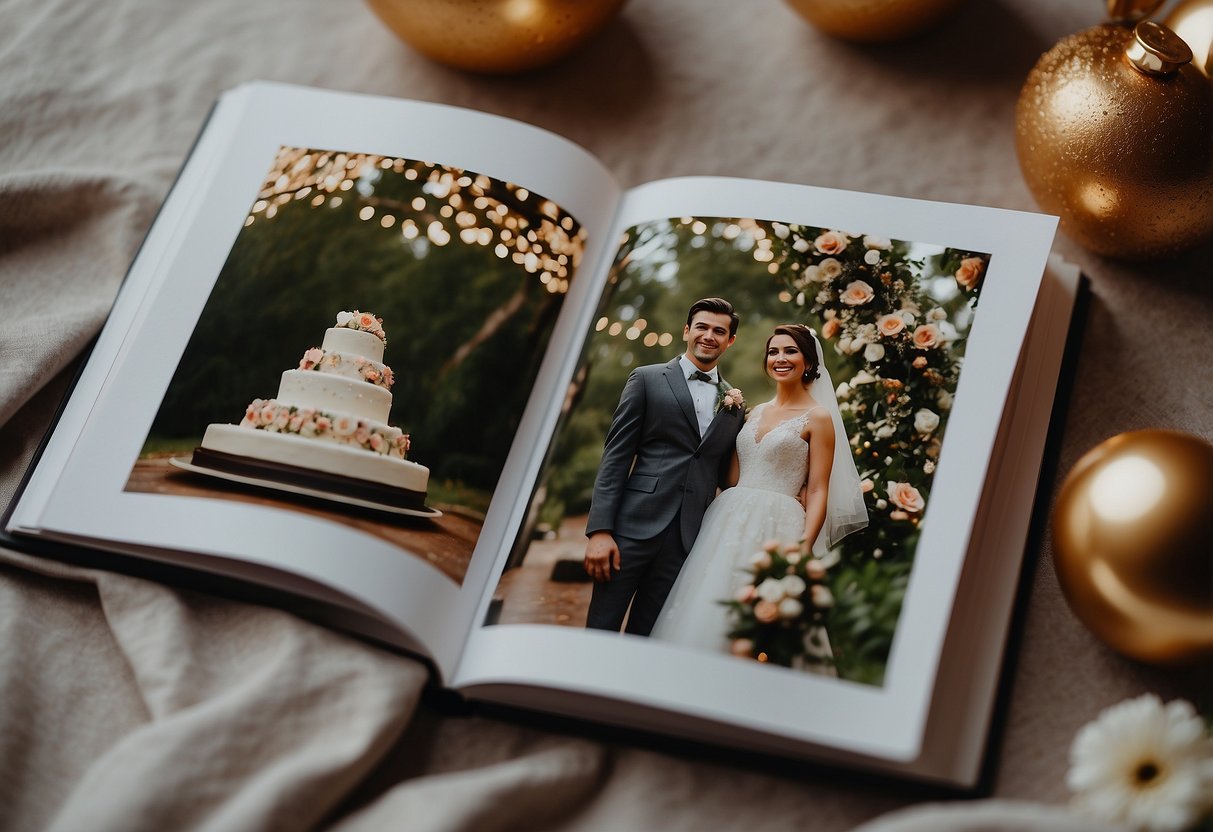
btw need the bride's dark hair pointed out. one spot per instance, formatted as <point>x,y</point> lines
<point>805,342</point>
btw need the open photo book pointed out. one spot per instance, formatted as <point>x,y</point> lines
<point>735,461</point>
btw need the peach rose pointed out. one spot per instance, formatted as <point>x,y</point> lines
<point>927,336</point>
<point>905,496</point>
<point>857,293</point>
<point>815,569</point>
<point>831,242</point>
<point>920,362</point>
<point>766,611</point>
<point>743,647</point>
<point>830,328</point>
<point>890,325</point>
<point>970,271</point>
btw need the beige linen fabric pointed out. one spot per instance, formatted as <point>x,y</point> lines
<point>128,705</point>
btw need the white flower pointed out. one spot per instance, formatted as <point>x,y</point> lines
<point>790,608</point>
<point>862,377</point>
<point>801,244</point>
<point>343,318</point>
<point>843,390</point>
<point>843,346</point>
<point>760,560</point>
<point>829,268</point>
<point>770,590</point>
<point>937,314</point>
<point>885,431</point>
<point>882,243</point>
<point>872,257</point>
<point>925,421</point>
<point>944,400</point>
<point>873,353</point>
<point>928,467</point>
<point>1143,764</point>
<point>822,597</point>
<point>793,585</point>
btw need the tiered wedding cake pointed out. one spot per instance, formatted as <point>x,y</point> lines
<point>327,429</point>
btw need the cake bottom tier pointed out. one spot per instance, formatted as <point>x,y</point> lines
<point>309,454</point>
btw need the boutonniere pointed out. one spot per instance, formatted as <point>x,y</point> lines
<point>729,398</point>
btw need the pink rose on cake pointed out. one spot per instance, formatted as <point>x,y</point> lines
<point>362,434</point>
<point>345,425</point>
<point>377,443</point>
<point>311,358</point>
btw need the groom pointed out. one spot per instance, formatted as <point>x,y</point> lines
<point>668,447</point>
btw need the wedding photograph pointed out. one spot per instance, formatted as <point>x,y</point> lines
<point>745,456</point>
<point>367,350</point>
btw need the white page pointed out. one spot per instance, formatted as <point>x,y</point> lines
<point>884,721</point>
<point>129,373</point>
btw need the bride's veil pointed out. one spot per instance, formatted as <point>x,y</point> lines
<point>845,508</point>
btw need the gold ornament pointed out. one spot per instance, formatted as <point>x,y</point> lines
<point>1192,20</point>
<point>495,36</point>
<point>872,21</point>
<point>1114,130</point>
<point>1133,545</point>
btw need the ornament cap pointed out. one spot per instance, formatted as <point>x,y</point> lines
<point>1132,9</point>
<point>1156,50</point>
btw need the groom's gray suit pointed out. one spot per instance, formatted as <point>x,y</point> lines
<point>656,479</point>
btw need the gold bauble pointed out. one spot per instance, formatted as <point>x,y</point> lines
<point>872,21</point>
<point>1192,20</point>
<point>495,36</point>
<point>1124,155</point>
<point>1133,545</point>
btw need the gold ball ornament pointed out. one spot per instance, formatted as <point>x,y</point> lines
<point>1114,131</point>
<point>872,21</point>
<point>1133,545</point>
<point>1192,20</point>
<point>495,36</point>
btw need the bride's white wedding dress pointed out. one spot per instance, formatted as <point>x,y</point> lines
<point>764,505</point>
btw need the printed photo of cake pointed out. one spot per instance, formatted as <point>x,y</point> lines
<point>326,433</point>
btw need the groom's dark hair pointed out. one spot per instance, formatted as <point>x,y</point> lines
<point>719,306</point>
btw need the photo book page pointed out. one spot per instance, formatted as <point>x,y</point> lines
<point>919,312</point>
<point>319,367</point>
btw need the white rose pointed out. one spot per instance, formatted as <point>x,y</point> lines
<point>760,560</point>
<point>770,590</point>
<point>872,257</point>
<point>793,586</point>
<point>873,353</point>
<point>790,608</point>
<point>344,318</point>
<point>925,421</point>
<point>843,391</point>
<point>885,431</point>
<point>882,243</point>
<point>908,317</point>
<point>822,597</point>
<point>937,314</point>
<point>812,274</point>
<point>801,244</point>
<point>829,268</point>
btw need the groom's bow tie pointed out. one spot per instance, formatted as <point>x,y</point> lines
<point>700,375</point>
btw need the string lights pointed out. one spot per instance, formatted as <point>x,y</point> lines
<point>532,232</point>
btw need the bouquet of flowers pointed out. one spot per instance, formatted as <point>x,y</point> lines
<point>779,615</point>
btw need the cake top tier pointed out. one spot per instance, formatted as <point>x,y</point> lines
<point>362,321</point>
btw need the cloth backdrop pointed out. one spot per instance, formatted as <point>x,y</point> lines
<point>128,705</point>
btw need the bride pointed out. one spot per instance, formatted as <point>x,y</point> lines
<point>793,444</point>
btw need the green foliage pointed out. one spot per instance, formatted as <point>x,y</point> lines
<point>867,603</point>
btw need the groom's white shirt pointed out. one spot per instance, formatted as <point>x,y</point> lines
<point>702,393</point>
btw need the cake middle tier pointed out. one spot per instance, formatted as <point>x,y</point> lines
<point>334,393</point>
